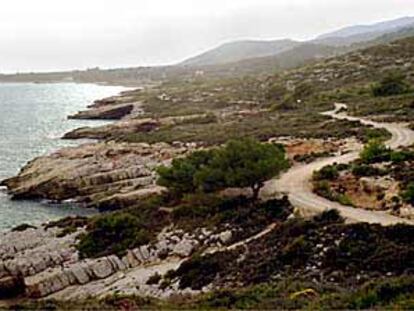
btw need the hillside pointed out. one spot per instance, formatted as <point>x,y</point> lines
<point>234,52</point>
<point>239,50</point>
<point>359,33</point>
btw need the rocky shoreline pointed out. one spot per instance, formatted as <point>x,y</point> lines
<point>98,175</point>
<point>43,262</point>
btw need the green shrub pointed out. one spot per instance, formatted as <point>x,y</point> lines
<point>200,271</point>
<point>381,293</point>
<point>329,172</point>
<point>402,156</point>
<point>363,170</point>
<point>344,199</point>
<point>393,83</point>
<point>408,194</point>
<point>329,217</point>
<point>154,279</point>
<point>374,152</point>
<point>323,188</point>
<point>113,233</point>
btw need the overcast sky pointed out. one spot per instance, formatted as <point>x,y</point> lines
<point>44,35</point>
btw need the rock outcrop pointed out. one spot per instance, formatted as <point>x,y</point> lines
<point>43,263</point>
<point>99,175</point>
<point>105,113</point>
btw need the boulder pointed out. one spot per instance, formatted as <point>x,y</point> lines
<point>185,248</point>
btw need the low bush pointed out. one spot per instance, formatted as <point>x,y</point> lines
<point>329,172</point>
<point>375,151</point>
<point>402,156</point>
<point>329,217</point>
<point>393,83</point>
<point>115,232</point>
<point>323,188</point>
<point>200,271</point>
<point>212,211</point>
<point>365,170</point>
<point>408,194</point>
<point>111,234</point>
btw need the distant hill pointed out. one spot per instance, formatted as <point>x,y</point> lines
<point>239,50</point>
<point>240,58</point>
<point>297,56</point>
<point>360,33</point>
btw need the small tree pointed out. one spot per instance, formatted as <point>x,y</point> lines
<point>243,163</point>
<point>179,178</point>
<point>393,83</point>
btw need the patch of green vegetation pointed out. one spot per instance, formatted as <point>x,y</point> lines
<point>245,215</point>
<point>375,152</point>
<point>115,232</point>
<point>365,170</point>
<point>295,293</point>
<point>329,172</point>
<point>310,157</point>
<point>323,188</point>
<point>344,199</point>
<point>394,83</point>
<point>113,235</point>
<point>408,194</point>
<point>347,254</point>
<point>242,163</point>
<point>200,271</point>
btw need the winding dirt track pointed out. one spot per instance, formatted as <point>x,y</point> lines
<point>296,182</point>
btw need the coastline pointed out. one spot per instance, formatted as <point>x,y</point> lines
<point>50,203</point>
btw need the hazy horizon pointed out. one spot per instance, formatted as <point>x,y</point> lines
<point>58,36</point>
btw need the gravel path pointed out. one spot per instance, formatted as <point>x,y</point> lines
<point>296,182</point>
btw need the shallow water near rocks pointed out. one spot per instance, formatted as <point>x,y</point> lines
<point>33,117</point>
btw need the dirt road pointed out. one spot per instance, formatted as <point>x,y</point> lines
<point>296,182</point>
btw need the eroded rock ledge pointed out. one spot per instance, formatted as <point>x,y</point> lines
<point>99,175</point>
<point>43,262</point>
<point>111,108</point>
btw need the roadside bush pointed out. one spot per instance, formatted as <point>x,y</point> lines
<point>365,170</point>
<point>374,152</point>
<point>329,217</point>
<point>402,156</point>
<point>323,189</point>
<point>329,172</point>
<point>344,199</point>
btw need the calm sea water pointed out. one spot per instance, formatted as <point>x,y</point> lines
<point>33,117</point>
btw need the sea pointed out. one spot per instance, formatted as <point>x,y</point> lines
<point>33,118</point>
